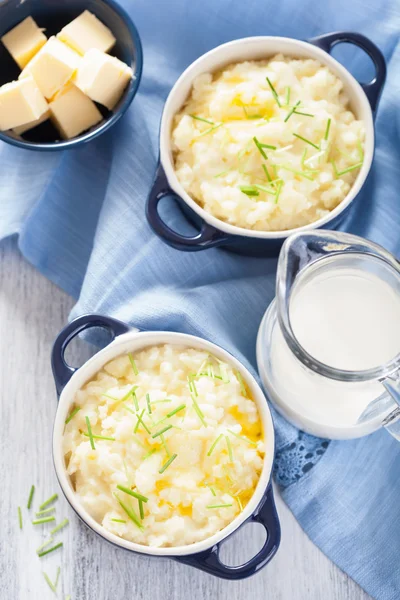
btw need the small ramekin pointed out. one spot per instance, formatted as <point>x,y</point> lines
<point>214,232</point>
<point>203,555</point>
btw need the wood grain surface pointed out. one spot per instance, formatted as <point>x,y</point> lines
<point>32,311</point>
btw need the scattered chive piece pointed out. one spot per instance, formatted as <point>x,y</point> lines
<point>201,119</point>
<point>164,443</point>
<point>288,91</point>
<point>297,112</point>
<point>141,509</point>
<point>49,501</point>
<point>210,130</point>
<point>328,126</point>
<point>241,383</point>
<point>161,431</point>
<point>211,489</point>
<point>50,550</point>
<point>99,437</point>
<point>275,95</point>
<point>130,512</point>
<point>130,393</point>
<point>140,421</point>
<point>264,188</point>
<point>133,364</point>
<point>118,520</point>
<point>49,582</point>
<point>150,453</point>
<point>132,493</point>
<point>199,411</point>
<point>267,174</point>
<point>306,141</point>
<point>46,543</point>
<point>90,433</point>
<point>43,520</point>
<point>292,110</point>
<point>249,190</point>
<point>241,437</point>
<point>221,174</point>
<point>214,444</point>
<point>159,401</point>
<point>299,173</point>
<point>304,156</point>
<point>57,577</point>
<point>360,150</point>
<point>278,191</point>
<point>176,410</point>
<point>135,400</point>
<point>19,517</point>
<point>192,385</point>
<point>111,397</point>
<point>261,146</point>
<point>148,403</point>
<point>238,500</point>
<point>229,445</point>
<point>72,414</point>
<point>219,505</point>
<point>46,511</point>
<point>339,173</point>
<point>63,524</point>
<point>32,491</point>
<point>167,464</point>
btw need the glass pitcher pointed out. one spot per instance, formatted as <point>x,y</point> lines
<point>328,347</point>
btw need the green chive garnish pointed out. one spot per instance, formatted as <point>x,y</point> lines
<point>89,427</point>
<point>299,173</point>
<point>132,493</point>
<point>214,444</point>
<point>43,520</point>
<point>306,140</point>
<point>32,491</point>
<point>161,431</point>
<point>210,130</point>
<point>140,421</point>
<point>167,464</point>
<point>44,545</point>
<point>57,577</point>
<point>297,112</point>
<point>19,517</point>
<point>49,582</point>
<point>249,190</point>
<point>201,119</point>
<point>238,500</point>
<point>148,404</point>
<point>160,401</point>
<point>176,410</point>
<point>241,437</point>
<point>192,385</point>
<point>46,511</point>
<point>164,443</point>
<point>360,150</point>
<point>199,411</point>
<point>267,174</point>
<point>49,501</point>
<point>288,96</point>
<point>328,126</point>
<point>293,109</point>
<point>150,453</point>
<point>275,95</point>
<point>219,505</point>
<point>339,173</point>
<point>221,173</point>
<point>141,509</point>
<point>118,520</point>
<point>278,191</point>
<point>50,550</point>
<point>72,414</point>
<point>260,147</point>
<point>63,524</point>
<point>99,437</point>
<point>135,400</point>
<point>229,446</point>
<point>241,383</point>
<point>133,364</point>
<point>130,512</point>
<point>264,188</point>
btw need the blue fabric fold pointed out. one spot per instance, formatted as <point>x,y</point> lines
<point>80,220</point>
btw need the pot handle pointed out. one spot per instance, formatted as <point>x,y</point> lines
<point>210,562</point>
<point>62,372</point>
<point>207,237</point>
<point>372,89</point>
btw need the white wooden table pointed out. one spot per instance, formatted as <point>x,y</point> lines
<point>32,311</point>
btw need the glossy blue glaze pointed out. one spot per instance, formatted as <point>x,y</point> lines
<point>53,15</point>
<point>209,236</point>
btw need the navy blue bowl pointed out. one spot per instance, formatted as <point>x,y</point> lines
<point>53,15</point>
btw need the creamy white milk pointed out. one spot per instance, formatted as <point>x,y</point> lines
<point>348,319</point>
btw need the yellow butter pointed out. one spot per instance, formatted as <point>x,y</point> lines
<point>73,112</point>
<point>86,32</point>
<point>24,41</point>
<point>23,128</point>
<point>21,102</point>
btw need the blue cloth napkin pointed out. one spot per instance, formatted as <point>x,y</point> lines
<point>80,220</point>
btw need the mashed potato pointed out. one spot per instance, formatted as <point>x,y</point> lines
<point>177,429</point>
<point>266,155</point>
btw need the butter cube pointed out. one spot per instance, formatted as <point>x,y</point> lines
<point>23,41</point>
<point>102,77</point>
<point>86,32</point>
<point>72,112</point>
<point>23,128</point>
<point>21,102</point>
<point>52,67</point>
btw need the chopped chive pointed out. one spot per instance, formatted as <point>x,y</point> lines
<point>360,151</point>
<point>140,421</point>
<point>304,156</point>
<point>229,446</point>
<point>148,403</point>
<point>130,393</point>
<point>297,112</point>
<point>339,173</point>
<point>201,119</point>
<point>63,524</point>
<point>219,505</point>
<point>214,444</point>
<point>49,501</point>
<point>210,130</point>
<point>164,443</point>
<point>260,147</point>
<point>288,91</point>
<point>167,464</point>
<point>57,577</point>
<point>132,493</point>
<point>130,410</point>
<point>241,437</point>
<point>32,491</point>
<point>150,453</point>
<point>211,489</point>
<point>267,174</point>
<point>133,364</point>
<point>221,174</point>
<point>72,414</point>
<point>89,427</point>
<point>306,141</point>
<point>44,545</point>
<point>199,411</point>
<point>176,410</point>
<point>241,383</point>
<point>275,95</point>
<point>50,550</point>
<point>135,400</point>
<point>99,437</point>
<point>238,500</point>
<point>118,520</point>
<point>49,582</point>
<point>46,511</point>
<point>160,401</point>
<point>141,509</point>
<point>264,188</point>
<point>328,126</point>
<point>19,517</point>
<point>130,512</point>
<point>192,385</point>
<point>299,173</point>
<point>278,191</point>
<point>249,190</point>
<point>43,520</point>
<point>292,110</point>
<point>161,431</point>
<point>111,397</point>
